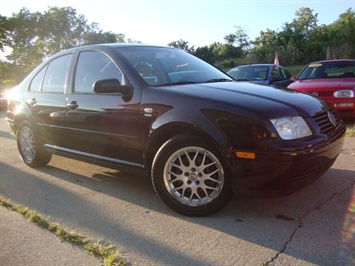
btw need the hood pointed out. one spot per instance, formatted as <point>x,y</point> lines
<point>263,81</point>
<point>326,84</point>
<point>257,100</point>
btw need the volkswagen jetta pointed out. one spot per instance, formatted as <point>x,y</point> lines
<point>201,136</point>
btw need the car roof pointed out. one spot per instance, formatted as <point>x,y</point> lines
<point>333,61</point>
<point>268,65</point>
<point>123,45</point>
<point>110,45</point>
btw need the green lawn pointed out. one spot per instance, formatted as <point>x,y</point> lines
<point>295,69</point>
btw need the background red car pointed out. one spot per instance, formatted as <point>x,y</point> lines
<point>332,80</point>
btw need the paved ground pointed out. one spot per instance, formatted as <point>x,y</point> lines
<point>23,243</point>
<point>314,226</point>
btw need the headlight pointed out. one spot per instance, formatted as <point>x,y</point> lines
<point>291,127</point>
<point>344,94</point>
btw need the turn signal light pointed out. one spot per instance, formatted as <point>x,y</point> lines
<point>245,155</point>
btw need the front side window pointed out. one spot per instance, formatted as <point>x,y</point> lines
<point>91,67</point>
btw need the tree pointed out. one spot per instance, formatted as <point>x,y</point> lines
<point>62,28</point>
<point>56,29</point>
<point>183,45</point>
<point>305,22</point>
<point>301,29</point>
<point>103,37</point>
<point>21,36</point>
<point>342,40</point>
<point>227,55</point>
<point>3,41</point>
<point>239,38</point>
<point>32,37</point>
<point>266,45</point>
<point>205,53</point>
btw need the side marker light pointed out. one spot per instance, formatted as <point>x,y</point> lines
<point>245,155</point>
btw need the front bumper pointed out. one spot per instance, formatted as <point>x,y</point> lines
<point>282,173</point>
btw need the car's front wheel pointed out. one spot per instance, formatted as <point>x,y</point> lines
<point>189,176</point>
<point>30,148</point>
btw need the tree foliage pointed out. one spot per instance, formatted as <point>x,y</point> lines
<point>183,45</point>
<point>303,40</point>
<point>239,38</point>
<point>299,42</point>
<point>32,37</point>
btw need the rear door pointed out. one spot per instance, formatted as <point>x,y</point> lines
<point>46,99</point>
<point>281,77</point>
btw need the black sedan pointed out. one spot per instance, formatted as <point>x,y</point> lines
<point>200,135</point>
<point>267,74</point>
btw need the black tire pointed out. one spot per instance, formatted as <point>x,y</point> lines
<point>30,146</point>
<point>189,176</point>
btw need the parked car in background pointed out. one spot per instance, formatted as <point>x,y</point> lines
<point>199,135</point>
<point>3,99</point>
<point>332,80</point>
<point>268,74</point>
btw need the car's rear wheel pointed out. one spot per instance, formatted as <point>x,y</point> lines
<point>189,176</point>
<point>30,146</point>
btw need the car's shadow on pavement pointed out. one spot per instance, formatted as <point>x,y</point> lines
<point>281,224</point>
<point>313,225</point>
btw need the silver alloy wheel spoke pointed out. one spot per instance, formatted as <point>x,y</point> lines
<point>193,176</point>
<point>27,144</point>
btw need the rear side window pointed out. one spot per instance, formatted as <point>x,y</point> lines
<point>286,73</point>
<point>249,73</point>
<point>36,83</point>
<point>276,74</point>
<point>52,78</point>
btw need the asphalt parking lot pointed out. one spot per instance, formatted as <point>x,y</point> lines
<point>314,226</point>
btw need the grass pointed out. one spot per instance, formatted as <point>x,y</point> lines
<point>350,132</point>
<point>106,252</point>
<point>295,69</point>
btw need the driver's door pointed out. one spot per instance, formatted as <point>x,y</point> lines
<point>102,125</point>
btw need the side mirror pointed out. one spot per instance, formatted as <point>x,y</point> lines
<point>293,79</point>
<point>112,86</point>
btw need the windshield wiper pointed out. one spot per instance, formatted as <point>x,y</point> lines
<point>177,83</point>
<point>218,80</point>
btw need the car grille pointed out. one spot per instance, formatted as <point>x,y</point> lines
<point>325,124</point>
<point>324,94</point>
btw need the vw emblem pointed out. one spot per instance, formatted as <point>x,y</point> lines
<point>315,93</point>
<point>332,119</point>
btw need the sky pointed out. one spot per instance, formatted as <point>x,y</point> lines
<point>199,22</point>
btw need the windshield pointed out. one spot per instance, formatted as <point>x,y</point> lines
<point>333,69</point>
<point>160,66</point>
<point>249,73</point>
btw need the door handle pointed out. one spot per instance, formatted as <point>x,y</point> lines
<point>73,105</point>
<point>32,102</point>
